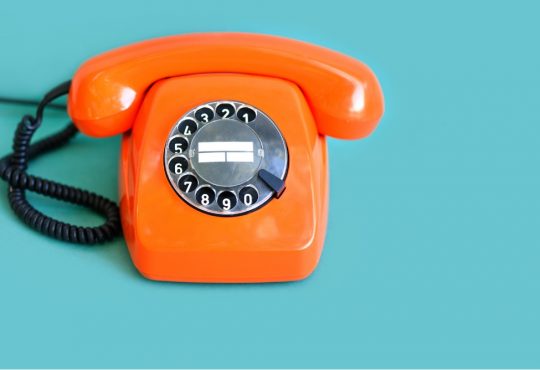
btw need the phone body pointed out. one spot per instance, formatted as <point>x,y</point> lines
<point>223,172</point>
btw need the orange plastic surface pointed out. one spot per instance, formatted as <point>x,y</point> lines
<point>343,94</point>
<point>169,240</point>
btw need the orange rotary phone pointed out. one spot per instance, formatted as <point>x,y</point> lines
<point>223,169</point>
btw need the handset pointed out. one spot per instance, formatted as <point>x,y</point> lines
<point>343,94</point>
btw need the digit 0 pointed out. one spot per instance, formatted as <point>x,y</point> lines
<point>225,110</point>
<point>249,195</point>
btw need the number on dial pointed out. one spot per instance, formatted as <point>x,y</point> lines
<point>177,165</point>
<point>178,144</point>
<point>226,200</point>
<point>188,183</point>
<point>246,114</point>
<point>249,195</point>
<point>205,195</point>
<point>204,114</point>
<point>225,110</point>
<point>187,127</point>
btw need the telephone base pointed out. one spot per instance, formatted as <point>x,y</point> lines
<point>170,240</point>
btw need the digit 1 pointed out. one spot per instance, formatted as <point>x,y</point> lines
<point>246,117</point>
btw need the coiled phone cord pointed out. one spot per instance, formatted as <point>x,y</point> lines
<point>13,170</point>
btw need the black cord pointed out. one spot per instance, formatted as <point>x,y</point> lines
<point>13,170</point>
<point>18,101</point>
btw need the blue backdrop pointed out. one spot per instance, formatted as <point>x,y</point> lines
<point>432,254</point>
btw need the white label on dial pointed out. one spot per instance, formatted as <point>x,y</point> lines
<point>239,156</point>
<point>225,146</point>
<point>211,157</point>
<point>225,151</point>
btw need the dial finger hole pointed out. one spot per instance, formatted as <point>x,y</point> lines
<point>205,195</point>
<point>204,114</point>
<point>225,110</point>
<point>249,195</point>
<point>226,200</point>
<point>178,144</point>
<point>187,127</point>
<point>178,165</point>
<point>246,114</point>
<point>188,183</point>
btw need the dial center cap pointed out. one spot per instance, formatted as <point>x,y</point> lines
<point>226,152</point>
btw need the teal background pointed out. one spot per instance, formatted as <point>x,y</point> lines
<point>432,252</point>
